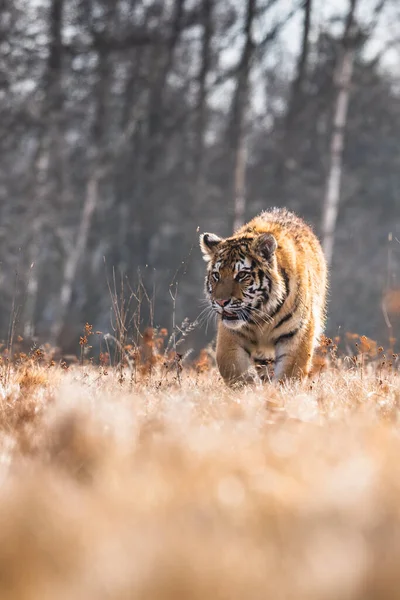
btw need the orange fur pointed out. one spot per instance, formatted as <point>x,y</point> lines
<point>268,283</point>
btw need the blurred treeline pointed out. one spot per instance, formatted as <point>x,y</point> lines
<point>129,125</point>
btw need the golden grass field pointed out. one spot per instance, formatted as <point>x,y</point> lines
<point>167,487</point>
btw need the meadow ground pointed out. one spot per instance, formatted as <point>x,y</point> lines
<point>168,485</point>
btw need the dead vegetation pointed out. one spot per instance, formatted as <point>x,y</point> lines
<point>150,479</point>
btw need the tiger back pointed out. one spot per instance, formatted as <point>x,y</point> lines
<point>268,285</point>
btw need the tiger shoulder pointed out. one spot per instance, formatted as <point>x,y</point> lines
<point>268,284</point>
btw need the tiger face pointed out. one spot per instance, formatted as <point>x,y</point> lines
<point>239,276</point>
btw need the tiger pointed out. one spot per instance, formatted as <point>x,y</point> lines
<point>268,285</point>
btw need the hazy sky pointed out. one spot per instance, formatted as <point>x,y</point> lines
<point>284,55</point>
<point>387,27</point>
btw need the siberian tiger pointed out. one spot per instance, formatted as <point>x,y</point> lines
<point>268,285</point>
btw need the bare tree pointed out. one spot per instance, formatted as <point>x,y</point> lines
<point>75,255</point>
<point>96,156</point>
<point>240,184</point>
<point>237,133</point>
<point>201,108</point>
<point>162,62</point>
<point>342,76</point>
<point>49,161</point>
<point>296,97</point>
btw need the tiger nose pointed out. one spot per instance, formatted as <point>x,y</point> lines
<point>223,302</point>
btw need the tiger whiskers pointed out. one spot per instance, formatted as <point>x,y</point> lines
<point>261,318</point>
<point>205,316</point>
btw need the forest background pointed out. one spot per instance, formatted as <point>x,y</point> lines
<point>129,126</point>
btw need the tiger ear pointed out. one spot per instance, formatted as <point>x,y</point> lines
<point>208,245</point>
<point>265,244</point>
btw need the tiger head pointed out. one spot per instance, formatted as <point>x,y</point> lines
<point>239,275</point>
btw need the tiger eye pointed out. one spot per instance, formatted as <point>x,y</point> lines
<point>242,275</point>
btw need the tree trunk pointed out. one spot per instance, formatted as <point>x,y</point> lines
<point>49,165</point>
<point>298,82</point>
<point>240,185</point>
<point>237,133</point>
<point>297,89</point>
<point>343,77</point>
<point>38,217</point>
<point>91,198</point>
<point>72,260</point>
<point>201,108</point>
<point>163,62</point>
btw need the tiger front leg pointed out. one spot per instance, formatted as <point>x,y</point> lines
<point>234,362</point>
<point>293,358</point>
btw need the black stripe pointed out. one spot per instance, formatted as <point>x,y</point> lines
<point>284,319</point>
<point>287,336</point>
<point>265,291</point>
<point>244,336</point>
<point>291,313</point>
<point>286,294</point>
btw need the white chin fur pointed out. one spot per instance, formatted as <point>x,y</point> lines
<point>233,324</point>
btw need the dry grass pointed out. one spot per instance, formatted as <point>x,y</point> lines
<point>113,489</point>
